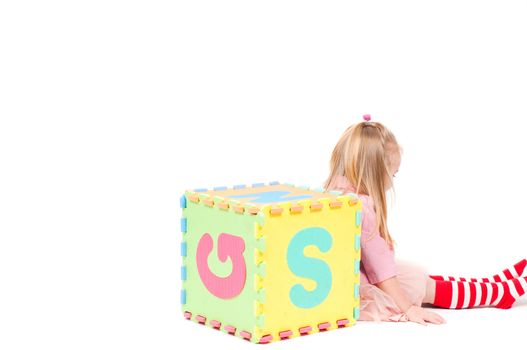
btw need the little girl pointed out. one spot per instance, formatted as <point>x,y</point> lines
<point>364,161</point>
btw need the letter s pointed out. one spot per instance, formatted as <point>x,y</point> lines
<point>306,267</point>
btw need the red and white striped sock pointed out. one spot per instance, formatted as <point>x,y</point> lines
<point>462,295</point>
<point>514,271</point>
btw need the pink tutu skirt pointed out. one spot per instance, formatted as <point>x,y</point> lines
<point>376,305</point>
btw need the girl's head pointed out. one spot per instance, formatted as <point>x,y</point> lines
<point>369,156</point>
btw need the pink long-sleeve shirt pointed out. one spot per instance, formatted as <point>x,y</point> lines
<point>377,258</point>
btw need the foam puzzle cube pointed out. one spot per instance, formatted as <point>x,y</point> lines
<point>270,261</point>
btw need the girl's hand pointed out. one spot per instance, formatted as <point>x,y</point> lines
<point>419,315</point>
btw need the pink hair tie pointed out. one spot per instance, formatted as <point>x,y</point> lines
<point>366,117</point>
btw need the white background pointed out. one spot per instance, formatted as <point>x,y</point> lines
<point>111,109</point>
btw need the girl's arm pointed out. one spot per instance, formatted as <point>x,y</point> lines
<point>392,287</point>
<point>415,313</point>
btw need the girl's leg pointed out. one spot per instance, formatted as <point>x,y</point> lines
<point>430,291</point>
<point>461,295</point>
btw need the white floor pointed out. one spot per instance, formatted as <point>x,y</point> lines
<point>487,327</point>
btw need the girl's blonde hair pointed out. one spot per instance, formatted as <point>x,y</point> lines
<point>363,155</point>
